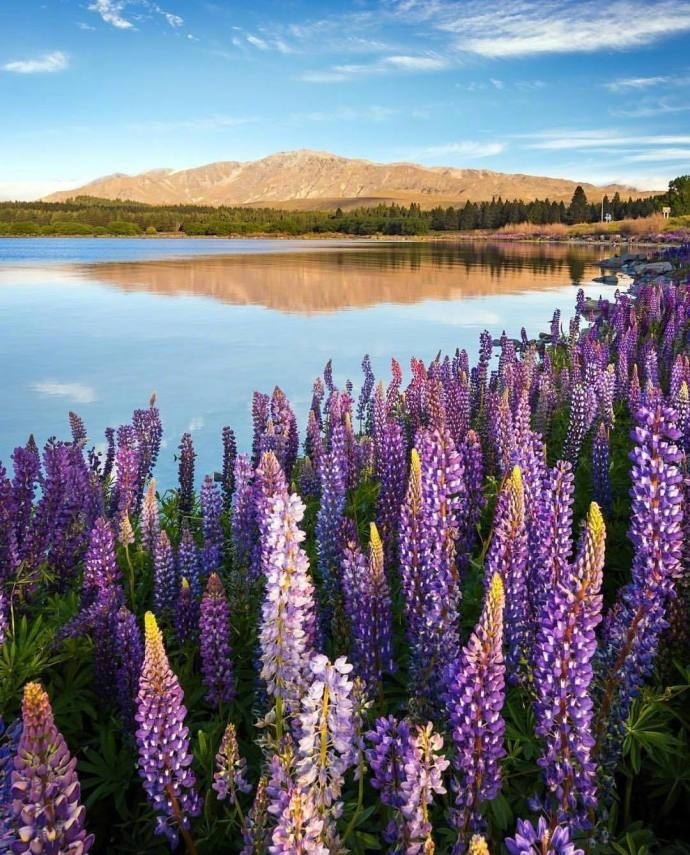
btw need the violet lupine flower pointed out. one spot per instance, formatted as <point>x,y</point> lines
<point>45,789</point>
<point>601,481</point>
<point>4,617</point>
<point>243,525</point>
<point>9,551</point>
<point>164,575</point>
<point>211,508</point>
<point>255,826</point>
<point>126,467</point>
<point>78,429</point>
<point>407,771</point>
<point>110,453</point>
<point>214,642</point>
<point>470,450</point>
<point>188,561</point>
<point>9,740</point>
<point>313,443</point>
<point>564,650</point>
<point>287,613</point>
<point>285,426</point>
<point>634,390</point>
<point>392,475</point>
<point>541,840</point>
<point>368,606</point>
<point>635,623</point>
<point>185,613</point>
<point>231,768</point>
<point>101,573</point>
<point>474,698</point>
<point>577,426</point>
<point>229,457</point>
<point>27,470</point>
<point>363,404</point>
<point>427,556</point>
<point>326,727</point>
<point>149,433</point>
<point>163,740</point>
<point>299,829</point>
<point>329,520</point>
<point>260,411</point>
<point>186,474</point>
<point>128,654</point>
<point>149,521</point>
<point>507,556</point>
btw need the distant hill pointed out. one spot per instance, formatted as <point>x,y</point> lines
<point>314,179</point>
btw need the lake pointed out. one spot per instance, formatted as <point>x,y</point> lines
<point>97,325</point>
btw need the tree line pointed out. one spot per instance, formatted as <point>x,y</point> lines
<point>85,215</point>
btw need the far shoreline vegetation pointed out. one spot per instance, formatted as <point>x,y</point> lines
<point>95,217</point>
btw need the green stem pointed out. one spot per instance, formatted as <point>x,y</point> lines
<point>131,574</point>
<point>360,801</point>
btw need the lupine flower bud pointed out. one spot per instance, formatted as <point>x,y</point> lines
<point>164,575</point>
<point>45,789</point>
<point>185,611</point>
<point>149,522</point>
<point>186,474</point>
<point>231,769</point>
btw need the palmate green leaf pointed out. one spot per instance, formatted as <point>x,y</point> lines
<point>647,731</point>
<point>637,840</point>
<point>107,769</point>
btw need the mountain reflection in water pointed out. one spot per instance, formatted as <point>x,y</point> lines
<point>330,280</point>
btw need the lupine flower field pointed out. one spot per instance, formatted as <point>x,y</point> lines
<point>452,617</point>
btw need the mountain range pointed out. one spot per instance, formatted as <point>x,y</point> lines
<point>308,179</point>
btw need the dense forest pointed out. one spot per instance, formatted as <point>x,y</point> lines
<point>86,215</point>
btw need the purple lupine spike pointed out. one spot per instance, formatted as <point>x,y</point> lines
<point>564,649</point>
<point>78,429</point>
<point>211,509</point>
<point>110,453</point>
<point>299,829</point>
<point>9,741</point>
<point>507,556</point>
<point>433,613</point>
<point>313,444</point>
<point>601,481</point>
<point>243,527</point>
<point>542,840</point>
<point>481,373</point>
<point>149,433</point>
<point>577,426</point>
<point>260,412</point>
<point>392,476</point>
<point>128,652</point>
<point>457,393</point>
<point>393,390</point>
<point>637,619</point>
<point>363,403</point>
<point>470,451</point>
<point>163,741</point>
<point>214,641</point>
<point>368,606</point>
<point>410,549</point>
<point>634,390</point>
<point>231,769</point>
<point>9,550</point>
<point>164,575</point>
<point>682,404</point>
<point>474,697</point>
<point>126,467</point>
<point>149,521</point>
<point>186,474</point>
<point>556,531</point>
<point>4,618</point>
<point>185,613</point>
<point>328,376</point>
<point>45,787</point>
<point>27,470</point>
<point>326,727</point>
<point>255,826</point>
<point>101,573</point>
<point>188,561</point>
<point>287,612</point>
<point>285,426</point>
<point>328,525</point>
<point>229,457</point>
<point>407,771</point>
<point>316,399</point>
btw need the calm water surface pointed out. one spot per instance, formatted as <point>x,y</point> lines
<point>96,325</point>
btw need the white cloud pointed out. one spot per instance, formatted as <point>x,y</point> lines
<point>635,83</point>
<point>603,139</point>
<point>77,392</point>
<point>513,28</point>
<point>111,12</point>
<point>415,63</point>
<point>464,149</point>
<point>48,63</point>
<point>384,65</point>
<point>645,109</point>
<point>661,154</point>
<point>82,26</point>
<point>257,42</point>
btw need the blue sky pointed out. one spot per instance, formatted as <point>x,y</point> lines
<point>590,90</point>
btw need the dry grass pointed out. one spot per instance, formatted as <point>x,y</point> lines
<point>554,230</point>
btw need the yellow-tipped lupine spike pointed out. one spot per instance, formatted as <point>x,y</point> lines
<point>683,392</point>
<point>184,583</point>
<point>375,550</point>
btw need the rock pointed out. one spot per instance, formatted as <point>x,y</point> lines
<point>607,279</point>
<point>654,268</point>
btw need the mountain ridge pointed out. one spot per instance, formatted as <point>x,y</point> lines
<point>309,179</point>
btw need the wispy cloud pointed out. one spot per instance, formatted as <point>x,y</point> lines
<point>625,84</point>
<point>409,63</point>
<point>648,108</point>
<point>48,63</point>
<point>602,139</point>
<point>80,393</point>
<point>661,154</point>
<point>111,12</point>
<point>514,28</point>
<point>466,149</point>
<point>261,44</point>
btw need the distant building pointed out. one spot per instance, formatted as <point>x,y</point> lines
<point>608,217</point>
<point>666,211</point>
